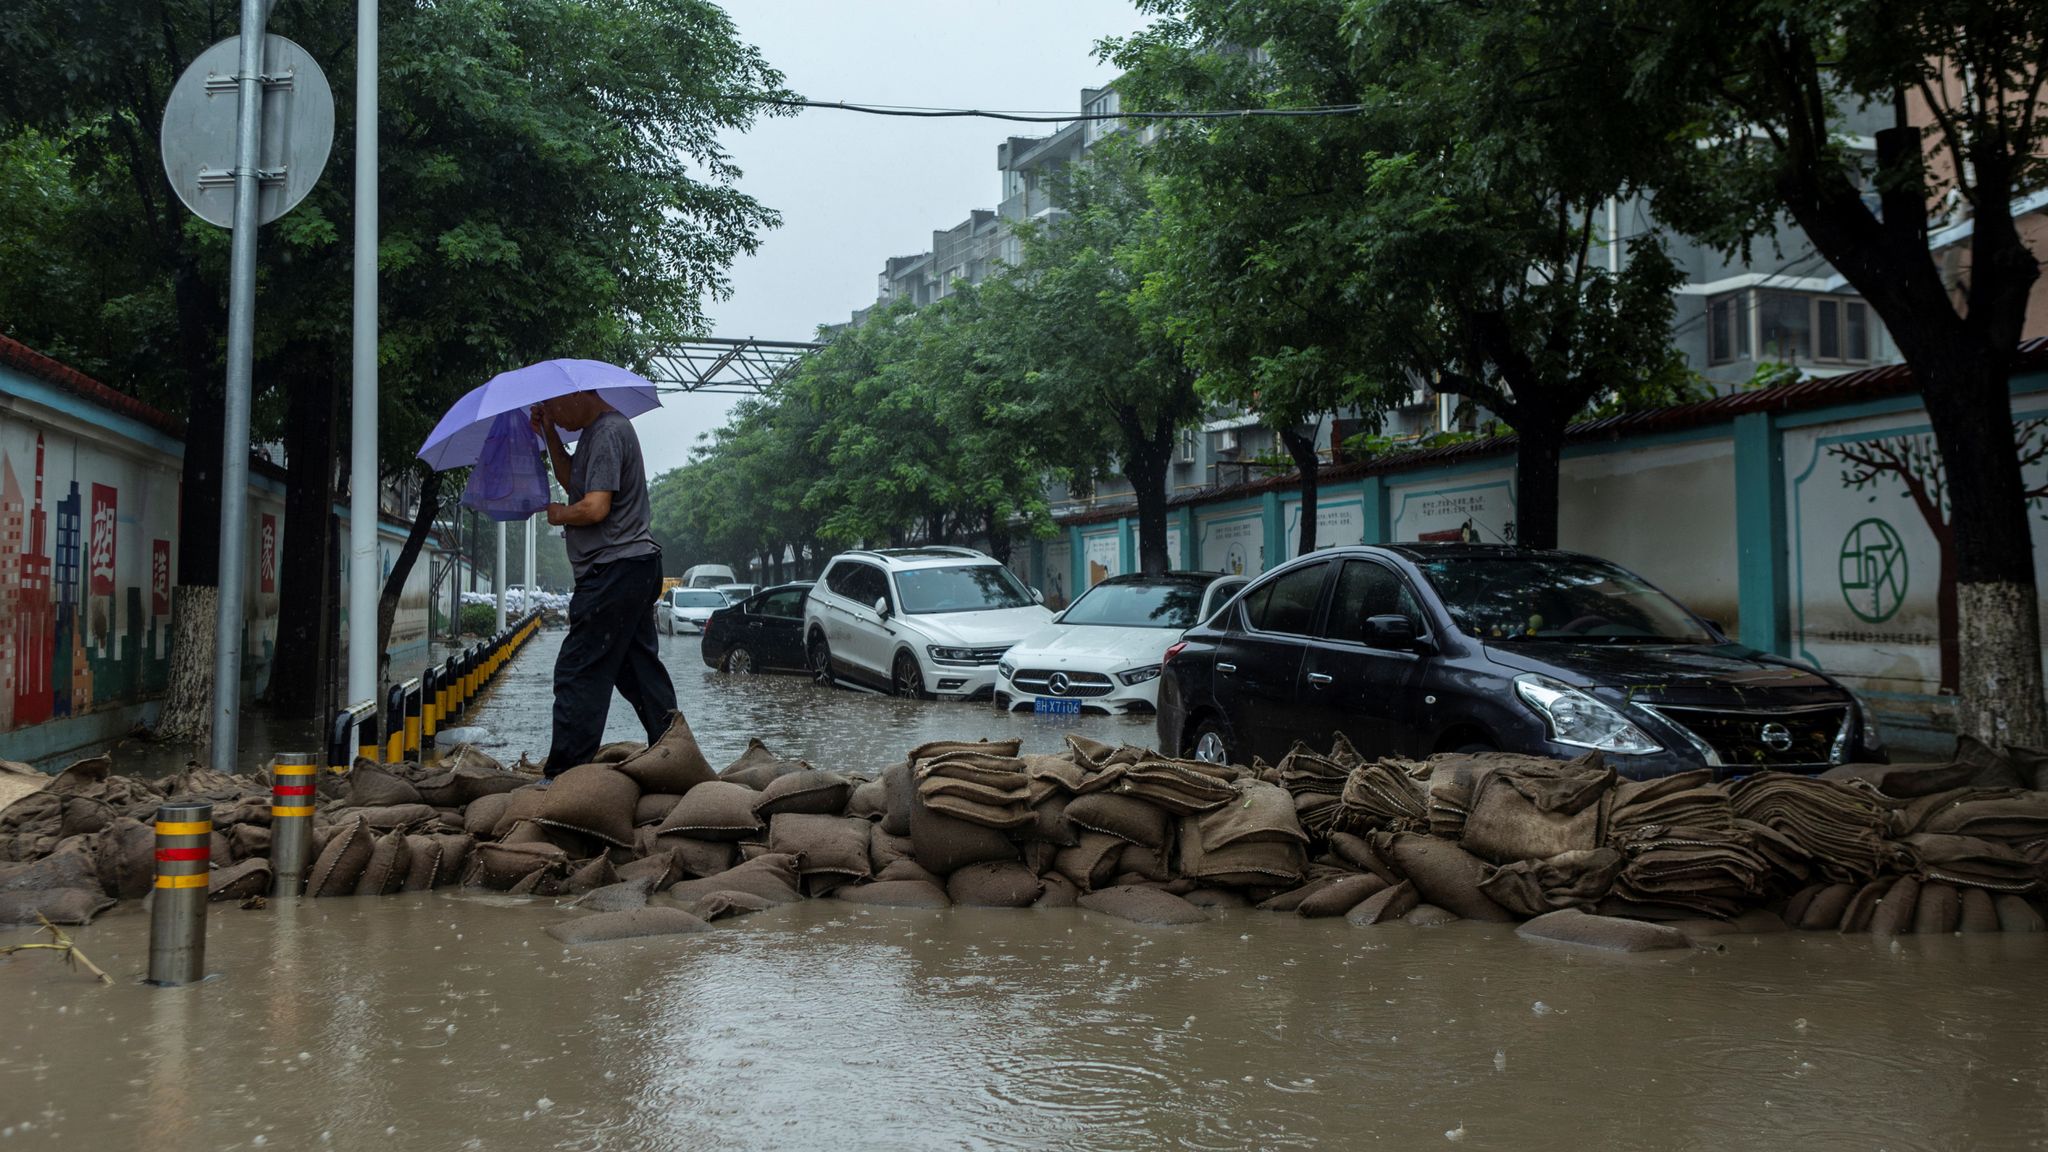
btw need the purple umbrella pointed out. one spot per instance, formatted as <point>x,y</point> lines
<point>458,440</point>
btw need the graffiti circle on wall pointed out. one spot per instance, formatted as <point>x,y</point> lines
<point>1873,570</point>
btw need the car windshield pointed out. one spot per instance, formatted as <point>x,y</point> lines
<point>689,598</point>
<point>965,588</point>
<point>1513,599</point>
<point>1137,606</point>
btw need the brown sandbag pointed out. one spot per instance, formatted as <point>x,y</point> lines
<point>1795,908</point>
<point>632,924</point>
<point>1979,913</point>
<point>619,897</point>
<point>945,844</point>
<point>1447,876</point>
<point>772,875</point>
<point>717,810</point>
<point>1124,817</point>
<point>1059,892</point>
<point>1939,908</point>
<point>125,858</point>
<point>246,841</point>
<point>1091,862</point>
<point>1049,818</point>
<point>654,808</point>
<point>658,869</point>
<point>390,816</point>
<point>342,861</point>
<point>884,849</point>
<point>896,894</point>
<point>371,786</point>
<point>814,792</point>
<point>1614,933</point>
<point>673,763</point>
<point>390,859</point>
<point>2016,915</point>
<point>898,788</point>
<point>591,875</point>
<point>57,905</point>
<point>1863,905</point>
<point>1143,906</point>
<point>480,818</point>
<point>1358,852</point>
<point>501,866</point>
<point>1894,911</point>
<point>822,843</point>
<point>1216,898</point>
<point>1824,911</point>
<point>869,800</point>
<point>1573,879</point>
<point>1000,884</point>
<point>619,751</point>
<point>424,867</point>
<point>1429,916</point>
<point>1384,905</point>
<point>1755,922</point>
<point>239,881</point>
<point>1340,896</point>
<point>1146,863</point>
<point>699,858</point>
<point>720,905</point>
<point>456,848</point>
<point>594,799</point>
<point>1292,899</point>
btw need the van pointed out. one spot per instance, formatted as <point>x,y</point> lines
<point>707,576</point>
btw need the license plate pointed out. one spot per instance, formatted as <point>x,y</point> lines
<point>1047,706</point>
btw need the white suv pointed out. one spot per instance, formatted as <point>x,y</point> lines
<point>917,621</point>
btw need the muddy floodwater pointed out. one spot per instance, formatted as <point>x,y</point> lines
<point>450,1021</point>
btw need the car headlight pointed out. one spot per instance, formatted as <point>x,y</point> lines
<point>1006,669</point>
<point>950,655</point>
<point>1140,675</point>
<point>1873,739</point>
<point>1578,719</point>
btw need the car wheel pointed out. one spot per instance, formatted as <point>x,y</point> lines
<point>819,656</point>
<point>1209,744</point>
<point>906,678</point>
<point>739,662</point>
<point>1472,746</point>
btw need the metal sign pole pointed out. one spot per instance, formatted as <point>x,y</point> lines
<point>364,572</point>
<point>498,577</point>
<point>532,581</point>
<point>234,473</point>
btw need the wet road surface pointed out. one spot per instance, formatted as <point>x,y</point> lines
<point>446,1020</point>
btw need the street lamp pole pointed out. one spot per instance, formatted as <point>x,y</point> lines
<point>364,571</point>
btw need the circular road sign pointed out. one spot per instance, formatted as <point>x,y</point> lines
<point>199,130</point>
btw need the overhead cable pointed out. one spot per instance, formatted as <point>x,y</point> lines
<point>1057,117</point>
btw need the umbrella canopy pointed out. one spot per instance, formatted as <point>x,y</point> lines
<point>458,440</point>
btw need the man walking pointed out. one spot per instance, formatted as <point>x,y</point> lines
<point>618,577</point>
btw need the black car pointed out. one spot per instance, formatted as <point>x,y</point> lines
<point>1412,649</point>
<point>762,632</point>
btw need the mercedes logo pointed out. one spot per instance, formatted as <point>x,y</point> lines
<point>1058,684</point>
<point>1776,737</point>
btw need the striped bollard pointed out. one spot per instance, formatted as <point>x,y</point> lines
<point>177,922</point>
<point>291,821</point>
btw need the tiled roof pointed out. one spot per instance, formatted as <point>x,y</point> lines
<point>1804,395</point>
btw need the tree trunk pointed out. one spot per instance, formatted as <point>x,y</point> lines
<point>187,712</point>
<point>1539,444</point>
<point>1302,447</point>
<point>401,568</point>
<point>998,535</point>
<point>305,562</point>
<point>1145,456</point>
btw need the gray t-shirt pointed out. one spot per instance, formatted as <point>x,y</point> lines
<point>607,459</point>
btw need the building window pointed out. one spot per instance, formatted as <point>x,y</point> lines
<point>1728,328</point>
<point>1784,327</point>
<point>1187,445</point>
<point>1225,442</point>
<point>1841,330</point>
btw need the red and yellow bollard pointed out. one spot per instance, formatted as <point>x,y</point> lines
<point>177,920</point>
<point>293,781</point>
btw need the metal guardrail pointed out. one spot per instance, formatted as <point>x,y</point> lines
<point>416,710</point>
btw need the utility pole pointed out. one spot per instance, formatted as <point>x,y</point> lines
<point>498,576</point>
<point>364,571</point>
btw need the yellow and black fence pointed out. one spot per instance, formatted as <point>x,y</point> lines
<point>416,709</point>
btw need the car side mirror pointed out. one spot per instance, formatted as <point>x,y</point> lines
<point>882,607</point>
<point>1037,597</point>
<point>1390,632</point>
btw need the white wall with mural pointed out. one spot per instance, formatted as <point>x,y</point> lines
<point>1472,505</point>
<point>1057,579</point>
<point>1340,521</point>
<point>1103,552</point>
<point>1666,511</point>
<point>1233,542</point>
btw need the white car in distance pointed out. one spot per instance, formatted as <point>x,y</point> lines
<point>917,622</point>
<point>689,608</point>
<point>1103,654</point>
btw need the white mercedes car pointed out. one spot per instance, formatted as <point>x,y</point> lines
<point>1104,652</point>
<point>689,608</point>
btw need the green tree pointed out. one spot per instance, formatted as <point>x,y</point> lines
<point>1752,92</point>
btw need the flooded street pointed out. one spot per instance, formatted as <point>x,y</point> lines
<point>451,1021</point>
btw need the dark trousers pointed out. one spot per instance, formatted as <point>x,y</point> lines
<point>610,645</point>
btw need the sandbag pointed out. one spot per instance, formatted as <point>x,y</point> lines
<point>501,866</point>
<point>57,905</point>
<point>387,817</point>
<point>1894,911</point>
<point>822,843</point>
<point>1144,863</point>
<point>1001,884</point>
<point>895,894</point>
<point>869,801</point>
<point>813,792</point>
<point>884,849</point>
<point>1863,905</point>
<point>1755,922</point>
<point>720,905</point>
<point>125,859</point>
<point>2016,915</point>
<point>239,881</point>
<point>1359,852</point>
<point>1091,862</point>
<point>1574,879</point>
<point>616,897</point>
<point>1292,899</point>
<point>673,763</point>
<point>773,876</point>
<point>658,869</point>
<point>699,857</point>
<point>1824,911</point>
<point>1795,908</point>
<point>1447,876</point>
<point>424,863</point>
<point>1059,892</point>
<point>1537,809</point>
<point>1979,912</point>
<point>944,844</point>
<point>390,858</point>
<point>481,816</point>
<point>1124,817</point>
<point>631,924</point>
<point>1340,896</point>
<point>342,861</point>
<point>245,842</point>
<point>619,751</point>
<point>371,786</point>
<point>717,810</point>
<point>1385,905</point>
<point>654,808</point>
<point>1614,933</point>
<point>1143,906</point>
<point>1429,916</point>
<point>898,788</point>
<point>593,799</point>
<point>590,875</point>
<point>1937,911</point>
<point>456,848</point>
<point>1216,898</point>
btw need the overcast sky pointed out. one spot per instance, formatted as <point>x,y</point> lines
<point>854,190</point>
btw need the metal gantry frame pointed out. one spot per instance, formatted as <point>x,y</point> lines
<point>720,365</point>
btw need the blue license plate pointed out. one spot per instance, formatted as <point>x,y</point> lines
<point>1047,706</point>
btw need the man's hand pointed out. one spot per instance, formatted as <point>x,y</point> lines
<point>592,509</point>
<point>558,514</point>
